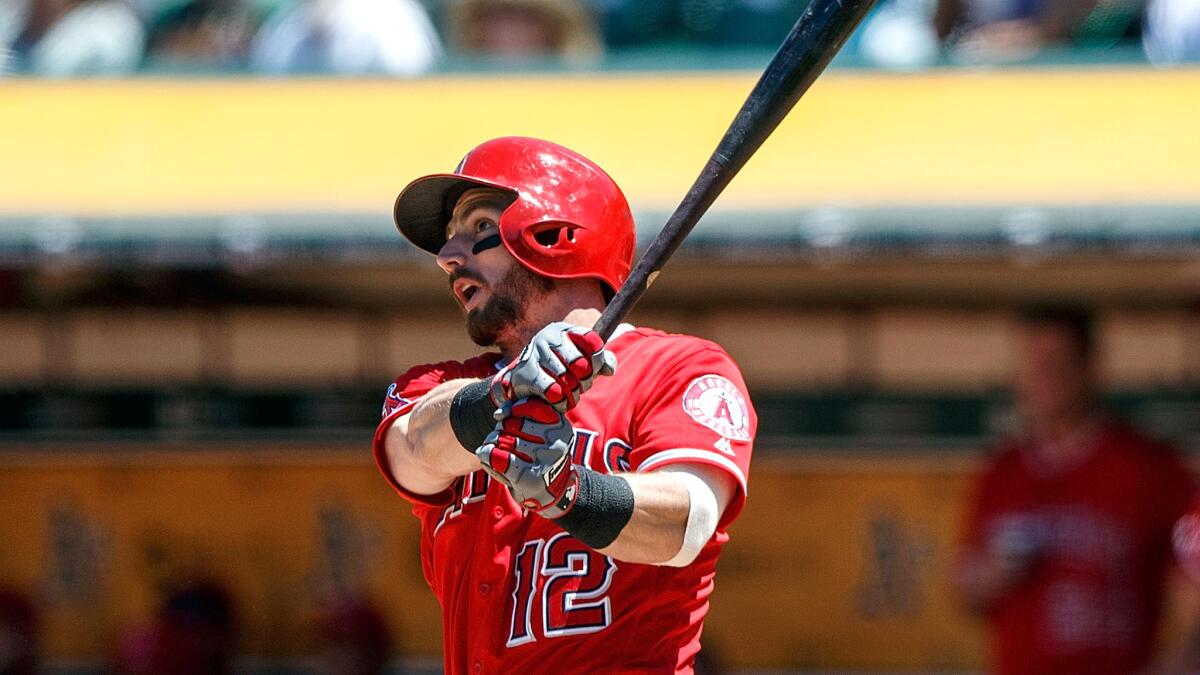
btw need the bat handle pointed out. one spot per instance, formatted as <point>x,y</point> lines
<point>631,291</point>
<point>614,311</point>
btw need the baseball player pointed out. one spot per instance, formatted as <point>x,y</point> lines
<point>573,495</point>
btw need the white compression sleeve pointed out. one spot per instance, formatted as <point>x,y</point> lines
<point>703,514</point>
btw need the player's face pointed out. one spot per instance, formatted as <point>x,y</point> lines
<point>1053,380</point>
<point>488,283</point>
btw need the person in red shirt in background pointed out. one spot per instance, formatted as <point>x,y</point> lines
<point>19,633</point>
<point>1067,546</point>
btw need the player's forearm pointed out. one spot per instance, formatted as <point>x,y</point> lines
<point>655,531</point>
<point>423,452</point>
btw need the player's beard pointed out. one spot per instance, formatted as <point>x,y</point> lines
<point>506,309</point>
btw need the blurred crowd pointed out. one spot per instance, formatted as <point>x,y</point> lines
<point>71,38</point>
<point>194,631</point>
<point>906,34</point>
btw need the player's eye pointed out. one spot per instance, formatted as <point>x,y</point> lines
<point>483,225</point>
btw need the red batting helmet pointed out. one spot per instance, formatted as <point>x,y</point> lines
<point>568,218</point>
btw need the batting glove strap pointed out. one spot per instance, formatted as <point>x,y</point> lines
<point>597,511</point>
<point>472,415</point>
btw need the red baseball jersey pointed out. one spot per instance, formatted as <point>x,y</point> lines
<point>1100,537</point>
<point>518,594</point>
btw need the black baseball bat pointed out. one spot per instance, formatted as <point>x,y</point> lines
<point>817,36</point>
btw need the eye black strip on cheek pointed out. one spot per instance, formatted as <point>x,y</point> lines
<point>491,241</point>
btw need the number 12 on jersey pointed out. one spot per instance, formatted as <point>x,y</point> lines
<point>574,582</point>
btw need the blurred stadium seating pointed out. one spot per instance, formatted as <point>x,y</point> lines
<point>202,299</point>
<point>64,38</point>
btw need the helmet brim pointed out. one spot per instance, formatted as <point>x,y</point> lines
<point>423,207</point>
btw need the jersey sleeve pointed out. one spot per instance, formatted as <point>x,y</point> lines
<point>399,400</point>
<point>981,507</point>
<point>697,413</point>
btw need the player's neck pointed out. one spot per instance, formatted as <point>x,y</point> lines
<point>1063,439</point>
<point>1063,424</point>
<point>565,299</point>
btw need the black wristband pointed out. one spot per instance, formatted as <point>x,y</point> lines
<point>471,414</point>
<point>602,508</point>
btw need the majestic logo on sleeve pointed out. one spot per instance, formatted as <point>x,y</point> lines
<point>716,403</point>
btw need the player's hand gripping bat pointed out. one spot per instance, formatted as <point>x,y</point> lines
<point>816,37</point>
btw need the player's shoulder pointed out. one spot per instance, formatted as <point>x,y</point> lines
<point>1009,457</point>
<point>485,362</point>
<point>1123,434</point>
<point>653,340</point>
<point>1138,446</point>
<point>476,366</point>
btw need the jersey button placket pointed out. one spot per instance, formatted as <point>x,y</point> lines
<point>485,588</point>
<point>477,668</point>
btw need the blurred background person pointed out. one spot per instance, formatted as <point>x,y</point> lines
<point>70,38</point>
<point>522,30</point>
<point>1171,33</point>
<point>999,30</point>
<point>1067,547</point>
<point>353,636</point>
<point>348,37</point>
<point>200,35</point>
<point>18,633</point>
<point>900,35</point>
<point>734,23</point>
<point>192,633</point>
<point>633,23</point>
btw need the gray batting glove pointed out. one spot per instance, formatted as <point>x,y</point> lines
<point>557,366</point>
<point>530,453</point>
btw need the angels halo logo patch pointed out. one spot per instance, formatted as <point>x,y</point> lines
<point>717,403</point>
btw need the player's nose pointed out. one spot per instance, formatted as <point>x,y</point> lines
<point>453,254</point>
